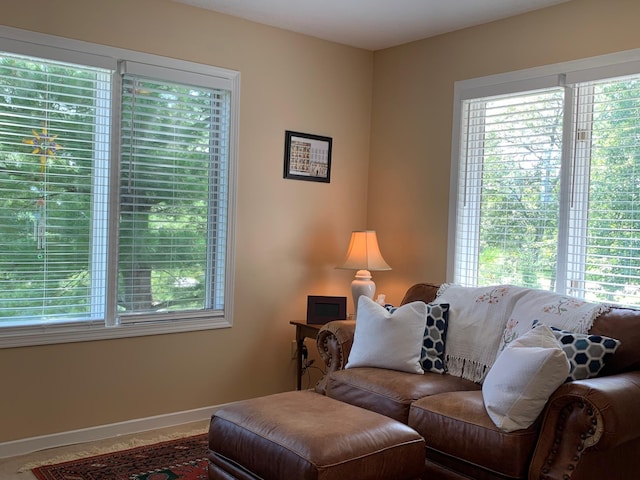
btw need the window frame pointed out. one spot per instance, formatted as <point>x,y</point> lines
<point>613,65</point>
<point>79,52</point>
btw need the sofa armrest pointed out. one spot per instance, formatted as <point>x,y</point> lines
<point>334,344</point>
<point>599,413</point>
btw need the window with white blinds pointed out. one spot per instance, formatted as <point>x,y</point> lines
<point>53,131</point>
<point>509,195</point>
<point>605,243</point>
<point>173,179</point>
<point>547,190</point>
<point>116,192</point>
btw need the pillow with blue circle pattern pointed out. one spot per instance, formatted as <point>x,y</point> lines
<point>587,354</point>
<point>435,333</point>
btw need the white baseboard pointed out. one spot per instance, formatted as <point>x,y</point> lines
<point>33,444</point>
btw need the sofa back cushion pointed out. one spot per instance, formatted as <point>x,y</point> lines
<point>622,324</point>
<point>425,292</point>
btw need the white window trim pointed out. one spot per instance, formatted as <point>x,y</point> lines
<point>75,51</point>
<point>592,68</point>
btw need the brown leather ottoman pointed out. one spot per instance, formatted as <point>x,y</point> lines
<point>305,435</point>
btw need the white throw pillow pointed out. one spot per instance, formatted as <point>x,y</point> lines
<point>523,378</point>
<point>388,340</point>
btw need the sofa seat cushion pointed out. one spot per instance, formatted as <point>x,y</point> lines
<point>390,392</point>
<point>456,425</point>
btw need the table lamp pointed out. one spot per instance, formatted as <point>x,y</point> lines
<point>363,255</point>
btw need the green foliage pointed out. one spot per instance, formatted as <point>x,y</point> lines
<point>163,225</point>
<point>520,191</point>
<point>614,216</point>
<point>57,185</point>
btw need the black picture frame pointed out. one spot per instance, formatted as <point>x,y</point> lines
<point>321,309</point>
<point>307,157</point>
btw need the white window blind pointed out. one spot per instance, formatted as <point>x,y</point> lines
<point>608,264</point>
<point>173,197</point>
<point>508,202</point>
<point>53,128</point>
<point>548,194</point>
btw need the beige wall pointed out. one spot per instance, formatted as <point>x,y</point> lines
<point>290,234</point>
<point>412,117</point>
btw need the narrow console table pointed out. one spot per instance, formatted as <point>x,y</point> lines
<point>303,330</point>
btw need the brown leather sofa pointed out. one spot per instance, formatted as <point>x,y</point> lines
<point>589,429</point>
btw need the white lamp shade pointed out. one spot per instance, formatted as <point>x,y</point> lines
<point>363,252</point>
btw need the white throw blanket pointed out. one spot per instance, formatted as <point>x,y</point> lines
<point>548,308</point>
<point>480,317</point>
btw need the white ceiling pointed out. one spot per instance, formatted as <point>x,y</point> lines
<point>372,24</point>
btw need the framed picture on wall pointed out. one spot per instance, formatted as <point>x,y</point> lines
<point>307,157</point>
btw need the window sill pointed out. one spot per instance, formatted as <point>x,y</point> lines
<point>87,331</point>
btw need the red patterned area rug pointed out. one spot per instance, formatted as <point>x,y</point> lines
<point>181,459</point>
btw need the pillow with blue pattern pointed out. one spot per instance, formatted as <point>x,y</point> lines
<point>587,354</point>
<point>435,333</point>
